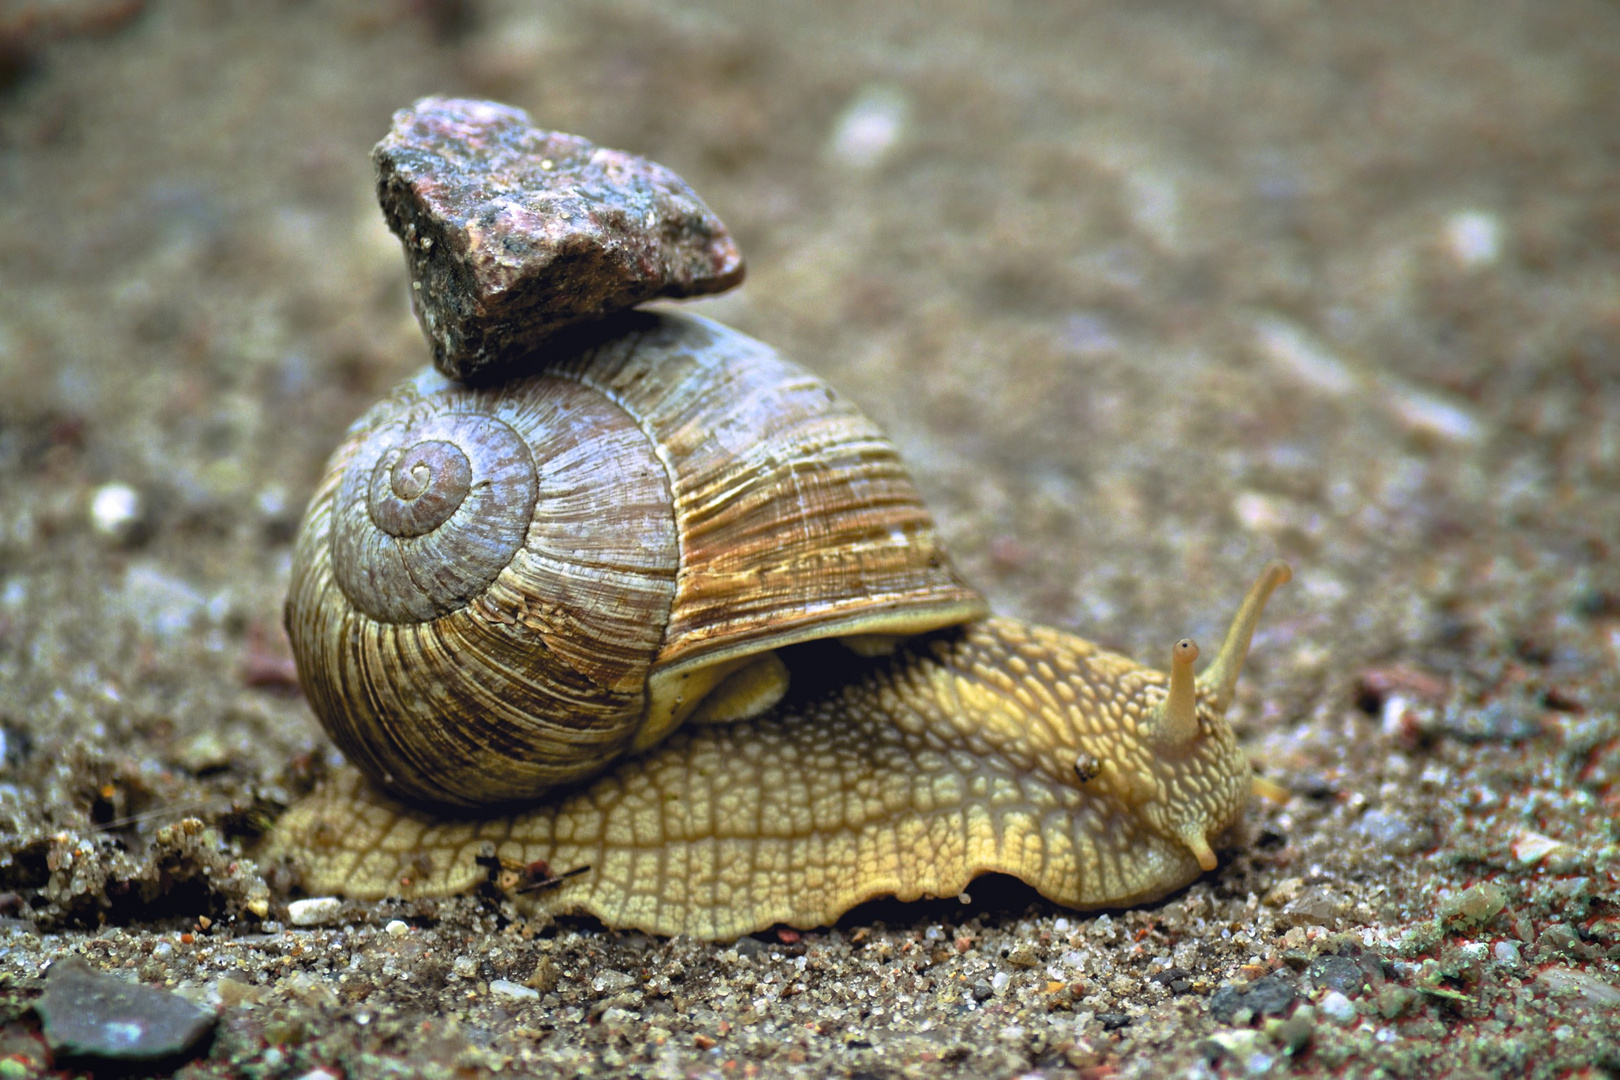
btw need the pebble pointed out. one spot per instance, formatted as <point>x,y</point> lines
<point>1336,1007</point>
<point>1503,720</point>
<point>1431,414</point>
<point>1507,954</point>
<point>314,911</point>
<point>1173,979</point>
<point>1296,352</point>
<point>397,928</point>
<point>1474,906</point>
<point>1337,973</point>
<point>86,1014</point>
<point>1559,939</point>
<point>1267,996</point>
<point>1316,907</point>
<point>1237,1045</point>
<point>1295,1033</point>
<point>516,991</point>
<point>513,233</point>
<point>1530,848</point>
<point>611,981</point>
<point>870,126</point>
<point>1394,833</point>
<point>1588,986</point>
<point>1474,238</point>
<point>115,511</point>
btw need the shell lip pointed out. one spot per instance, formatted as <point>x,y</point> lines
<point>667,706</point>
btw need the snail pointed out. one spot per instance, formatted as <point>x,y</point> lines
<point>553,624</point>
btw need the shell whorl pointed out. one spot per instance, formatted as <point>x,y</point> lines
<point>488,578</point>
<point>436,520</point>
<point>505,649</point>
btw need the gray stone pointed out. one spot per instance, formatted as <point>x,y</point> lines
<point>513,234</point>
<point>1268,996</point>
<point>1339,973</point>
<point>1393,832</point>
<point>1510,720</point>
<point>86,1014</point>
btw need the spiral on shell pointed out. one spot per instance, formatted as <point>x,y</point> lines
<point>498,590</point>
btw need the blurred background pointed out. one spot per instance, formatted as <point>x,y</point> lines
<point>1146,292</point>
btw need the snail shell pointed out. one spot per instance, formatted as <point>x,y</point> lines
<point>498,590</point>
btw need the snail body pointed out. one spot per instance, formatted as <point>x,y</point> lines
<point>750,510</point>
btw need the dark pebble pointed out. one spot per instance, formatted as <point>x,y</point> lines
<point>1174,979</point>
<point>1225,1002</point>
<point>1270,996</point>
<point>1335,973</point>
<point>982,991</point>
<point>513,233</point>
<point>88,1015</point>
<point>1113,1021</point>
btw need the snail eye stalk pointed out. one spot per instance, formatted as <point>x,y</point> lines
<point>1175,722</point>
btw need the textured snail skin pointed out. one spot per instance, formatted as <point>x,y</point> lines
<point>1000,747</point>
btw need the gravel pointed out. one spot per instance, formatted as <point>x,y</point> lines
<point>1146,297</point>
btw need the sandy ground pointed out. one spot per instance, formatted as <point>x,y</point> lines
<point>1147,293</point>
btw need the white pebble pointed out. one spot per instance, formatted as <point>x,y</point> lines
<point>999,981</point>
<point>1531,847</point>
<point>1336,1007</point>
<point>272,501</point>
<point>869,128</point>
<point>1507,954</point>
<point>516,991</point>
<point>396,928</point>
<point>314,911</point>
<point>1294,350</point>
<point>114,510</point>
<point>1258,1064</point>
<point>1431,415</point>
<point>1474,238</point>
<point>1259,513</point>
<point>610,981</point>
